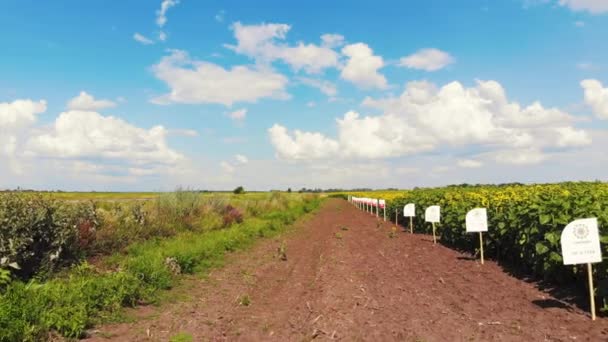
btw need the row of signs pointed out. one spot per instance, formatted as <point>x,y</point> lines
<point>374,202</point>
<point>580,240</point>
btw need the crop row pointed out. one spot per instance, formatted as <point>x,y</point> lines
<point>525,224</point>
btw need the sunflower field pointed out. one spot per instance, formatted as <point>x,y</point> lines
<point>525,224</point>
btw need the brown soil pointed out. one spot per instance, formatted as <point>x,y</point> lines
<point>348,278</point>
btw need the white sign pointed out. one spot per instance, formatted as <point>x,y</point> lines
<point>431,214</point>
<point>409,210</point>
<point>581,242</point>
<point>477,220</point>
<point>382,203</point>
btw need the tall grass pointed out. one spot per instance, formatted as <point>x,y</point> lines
<point>72,301</point>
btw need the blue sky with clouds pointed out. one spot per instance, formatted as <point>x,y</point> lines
<point>149,95</point>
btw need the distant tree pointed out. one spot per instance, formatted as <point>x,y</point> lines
<point>289,190</point>
<point>239,190</point>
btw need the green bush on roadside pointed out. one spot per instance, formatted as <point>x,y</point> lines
<point>75,300</point>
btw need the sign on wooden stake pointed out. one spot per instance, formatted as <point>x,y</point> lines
<point>432,214</point>
<point>580,242</point>
<point>477,221</point>
<point>409,210</point>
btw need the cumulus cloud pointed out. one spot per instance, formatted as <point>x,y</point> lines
<point>197,82</point>
<point>427,59</point>
<point>15,119</point>
<point>596,97</point>
<point>264,42</point>
<point>238,115</point>
<point>161,14</point>
<point>362,67</point>
<point>19,113</point>
<point>227,167</point>
<point>591,6</point>
<point>89,135</point>
<point>301,145</point>
<point>470,163</point>
<point>332,40</point>
<point>426,118</point>
<point>241,159</point>
<point>87,102</point>
<point>142,39</point>
<point>326,87</point>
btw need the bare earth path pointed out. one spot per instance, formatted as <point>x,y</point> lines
<point>346,279</point>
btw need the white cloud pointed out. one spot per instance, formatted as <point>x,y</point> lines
<point>586,66</point>
<point>427,59</point>
<point>219,17</point>
<point>196,82</point>
<point>19,113</point>
<point>579,23</point>
<point>161,14</point>
<point>241,159</point>
<point>87,102</point>
<point>470,163</point>
<point>302,146</point>
<point>227,167</point>
<point>90,135</point>
<point>264,43</point>
<point>524,156</point>
<point>142,39</point>
<point>238,115</point>
<point>326,87</point>
<point>162,36</point>
<point>427,118</point>
<point>591,6</point>
<point>362,67</point>
<point>311,104</point>
<point>183,132</point>
<point>332,40</point>
<point>596,96</point>
<point>15,119</point>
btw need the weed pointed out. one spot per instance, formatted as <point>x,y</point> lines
<point>282,252</point>
<point>244,300</point>
<point>345,228</point>
<point>181,337</point>
<point>338,235</point>
<point>393,232</point>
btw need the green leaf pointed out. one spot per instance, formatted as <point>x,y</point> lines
<point>544,218</point>
<point>552,237</point>
<point>541,248</point>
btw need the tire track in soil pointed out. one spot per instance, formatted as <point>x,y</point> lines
<point>359,286</point>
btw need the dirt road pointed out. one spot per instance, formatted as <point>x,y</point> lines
<point>348,278</point>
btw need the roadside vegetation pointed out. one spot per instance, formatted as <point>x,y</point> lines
<point>66,265</point>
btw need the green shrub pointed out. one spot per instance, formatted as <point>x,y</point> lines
<point>37,234</point>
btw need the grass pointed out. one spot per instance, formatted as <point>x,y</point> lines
<point>181,337</point>
<point>73,301</point>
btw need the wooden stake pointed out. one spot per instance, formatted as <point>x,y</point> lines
<point>397,218</point>
<point>591,291</point>
<point>434,238</point>
<point>481,246</point>
<point>411,226</point>
<point>384,211</point>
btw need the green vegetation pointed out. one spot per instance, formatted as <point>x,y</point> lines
<point>525,223</point>
<point>181,337</point>
<point>144,247</point>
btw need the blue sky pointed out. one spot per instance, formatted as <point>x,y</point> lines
<point>215,94</point>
